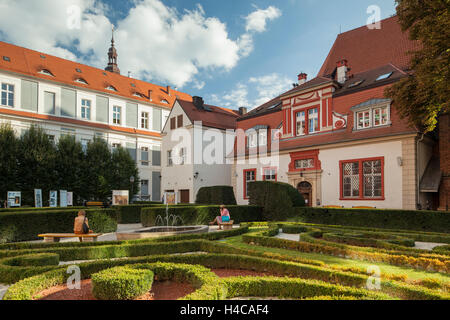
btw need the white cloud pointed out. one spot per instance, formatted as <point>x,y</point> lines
<point>154,42</point>
<point>254,92</point>
<point>257,20</point>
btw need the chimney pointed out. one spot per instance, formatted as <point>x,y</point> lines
<point>198,102</point>
<point>302,77</point>
<point>168,90</point>
<point>150,95</point>
<point>242,111</point>
<point>342,68</point>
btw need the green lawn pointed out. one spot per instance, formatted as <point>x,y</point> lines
<point>412,274</point>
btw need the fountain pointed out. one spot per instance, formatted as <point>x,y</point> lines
<point>164,226</point>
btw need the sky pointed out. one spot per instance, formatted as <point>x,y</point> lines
<point>233,53</point>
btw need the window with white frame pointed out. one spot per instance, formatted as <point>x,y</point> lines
<point>373,117</point>
<point>300,123</point>
<point>144,187</point>
<point>313,120</point>
<point>270,174</point>
<point>262,137</point>
<point>249,176</point>
<point>86,109</point>
<point>117,115</point>
<point>144,156</point>
<point>144,120</point>
<point>169,158</point>
<point>116,145</point>
<point>252,139</point>
<point>304,164</point>
<point>84,144</point>
<point>7,96</point>
<point>182,156</point>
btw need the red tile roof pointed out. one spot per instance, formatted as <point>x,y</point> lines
<point>366,49</point>
<point>218,117</point>
<point>30,63</point>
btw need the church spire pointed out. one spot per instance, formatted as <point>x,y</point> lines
<point>112,57</point>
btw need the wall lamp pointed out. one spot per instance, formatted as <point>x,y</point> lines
<point>196,175</point>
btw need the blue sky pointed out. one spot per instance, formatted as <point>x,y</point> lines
<point>296,37</point>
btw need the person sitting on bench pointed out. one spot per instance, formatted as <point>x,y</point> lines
<point>223,218</point>
<point>81,224</point>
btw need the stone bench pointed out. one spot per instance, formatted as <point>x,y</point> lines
<point>227,225</point>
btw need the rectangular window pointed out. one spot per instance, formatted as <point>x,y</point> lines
<point>169,158</point>
<point>51,138</point>
<point>173,123</point>
<point>116,145</point>
<point>86,109</point>
<point>144,156</point>
<point>117,115</point>
<point>363,119</point>
<point>270,174</point>
<point>144,187</point>
<point>49,102</point>
<point>182,156</point>
<point>304,164</point>
<point>84,144</point>
<point>144,120</point>
<point>249,176</point>
<point>301,123</point>
<point>362,179</point>
<point>313,120</point>
<point>252,140</point>
<point>180,121</point>
<point>380,116</point>
<point>7,97</point>
<point>350,179</point>
<point>262,138</point>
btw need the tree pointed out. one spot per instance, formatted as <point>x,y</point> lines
<point>68,166</point>
<point>36,160</point>
<point>423,96</point>
<point>124,167</point>
<point>9,145</point>
<point>97,171</point>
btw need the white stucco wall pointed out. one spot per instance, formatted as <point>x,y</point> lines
<point>392,173</point>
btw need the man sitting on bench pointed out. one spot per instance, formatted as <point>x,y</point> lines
<point>81,224</point>
<point>223,218</point>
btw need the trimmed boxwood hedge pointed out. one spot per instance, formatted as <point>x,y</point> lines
<point>121,283</point>
<point>217,195</point>
<point>25,226</point>
<point>437,221</point>
<point>200,215</point>
<point>277,199</point>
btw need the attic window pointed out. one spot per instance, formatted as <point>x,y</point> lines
<point>78,70</point>
<point>81,80</point>
<point>384,76</point>
<point>111,88</point>
<point>133,85</point>
<point>137,94</point>
<point>165,101</point>
<point>42,56</point>
<point>104,73</point>
<point>355,84</point>
<point>274,106</point>
<point>46,72</point>
<point>7,59</point>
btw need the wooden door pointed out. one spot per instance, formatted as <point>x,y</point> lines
<point>305,189</point>
<point>184,196</point>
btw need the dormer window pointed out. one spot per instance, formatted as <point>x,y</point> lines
<point>164,101</point>
<point>371,114</point>
<point>78,70</point>
<point>111,88</point>
<point>137,94</point>
<point>46,72</point>
<point>7,59</point>
<point>81,80</point>
<point>257,136</point>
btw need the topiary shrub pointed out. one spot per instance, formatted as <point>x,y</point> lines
<point>121,283</point>
<point>277,199</point>
<point>216,195</point>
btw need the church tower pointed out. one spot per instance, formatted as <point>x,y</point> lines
<point>112,57</point>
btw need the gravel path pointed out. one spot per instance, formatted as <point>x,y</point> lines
<point>3,289</point>
<point>428,245</point>
<point>286,236</point>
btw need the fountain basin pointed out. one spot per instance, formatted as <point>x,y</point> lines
<point>156,232</point>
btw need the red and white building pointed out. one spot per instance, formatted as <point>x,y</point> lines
<point>342,142</point>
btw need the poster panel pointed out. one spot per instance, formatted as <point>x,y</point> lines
<point>38,198</point>
<point>14,199</point>
<point>53,199</point>
<point>170,198</point>
<point>120,197</point>
<point>63,198</point>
